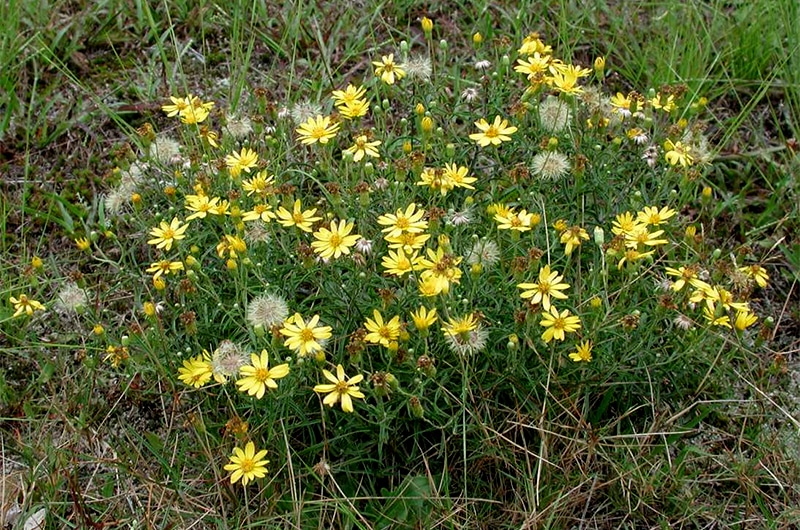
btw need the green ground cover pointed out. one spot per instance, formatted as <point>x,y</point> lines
<point>395,265</point>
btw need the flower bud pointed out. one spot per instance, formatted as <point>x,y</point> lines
<point>427,26</point>
<point>600,67</point>
<point>415,406</point>
<point>477,39</point>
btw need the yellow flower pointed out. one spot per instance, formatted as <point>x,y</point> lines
<point>651,215</point>
<point>408,241</point>
<point>195,372</point>
<point>549,285</point>
<point>348,96</point>
<point>83,244</point>
<point>565,80</point>
<point>398,263</point>
<point>721,321</point>
<point>532,44</point>
<point>686,275</point>
<point>201,205</point>
<point>757,273</point>
<point>232,245</point>
<point>494,133</point>
<point>304,338</point>
<point>624,223</point>
<point>353,110</point>
<point>257,376</point>
<point>210,136</point>
<point>26,305</point>
<point>558,324</point>
<point>583,352</point>
<point>336,241</point>
<point>178,105</point>
<point>458,176</point>
<point>381,332</point>
<point>534,65</point>
<point>388,70</point>
<point>423,318</point>
<point>260,211</point>
<point>341,388</point>
<point>460,326</point>
<point>298,217</point>
<point>318,129</point>
<point>403,222</point>
<point>442,268</point>
<point>521,221</point>
<point>244,160</point>
<point>666,104</point>
<point>362,147</point>
<point>247,465</point>
<point>744,319</point>
<point>641,236</point>
<point>165,266</point>
<point>571,237</point>
<point>166,234</point>
<point>678,153</point>
<point>436,179</point>
<point>260,184</point>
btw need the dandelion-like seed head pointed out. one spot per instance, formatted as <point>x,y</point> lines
<point>267,310</point>
<point>683,322</point>
<point>227,359</point>
<point>461,218</point>
<point>418,67</point>
<point>484,251</point>
<point>554,115</point>
<point>594,100</point>
<point>238,126</point>
<point>483,64</point>
<point>257,233</point>
<point>302,111</point>
<point>71,298</point>
<point>550,165</point>
<point>470,94</point>
<point>165,150</point>
<point>364,246</point>
<point>650,156</point>
<point>116,200</point>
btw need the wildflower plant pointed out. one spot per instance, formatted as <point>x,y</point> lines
<point>384,264</point>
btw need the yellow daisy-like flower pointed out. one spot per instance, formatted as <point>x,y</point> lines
<point>304,337</point>
<point>521,221</point>
<point>178,105</point>
<point>409,221</point>
<point>686,275</point>
<point>436,179</point>
<point>258,376</point>
<point>557,325</point>
<point>318,129</point>
<point>744,319</point>
<point>652,216</point>
<point>572,238</point>
<point>408,241</point>
<point>424,318</point>
<point>336,241</point>
<point>398,263</point>
<point>718,321</point>
<point>388,70</point>
<point>667,104</point>
<point>624,223</point>
<point>302,219</point>
<point>25,305</point>
<point>565,80</point>
<point>757,273</point>
<point>355,109</point>
<point>261,184</point>
<point>201,205</point>
<point>247,464</point>
<point>678,153</point>
<point>195,372</point>
<point>458,176</point>
<point>494,133</point>
<point>363,147</point>
<point>348,96</point>
<point>231,245</point>
<point>83,244</point>
<point>641,236</point>
<point>341,388</point>
<point>166,234</point>
<point>260,211</point>
<point>381,332</point>
<point>550,284</point>
<point>165,266</point>
<point>244,160</point>
<point>583,352</point>
<point>534,65</point>
<point>460,326</point>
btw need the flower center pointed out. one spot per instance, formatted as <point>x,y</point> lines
<point>559,323</point>
<point>307,335</point>
<point>261,374</point>
<point>247,465</point>
<point>167,234</point>
<point>335,240</point>
<point>492,132</point>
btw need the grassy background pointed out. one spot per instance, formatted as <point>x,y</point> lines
<point>76,79</point>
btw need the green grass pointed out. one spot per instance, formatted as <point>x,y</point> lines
<point>664,428</point>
